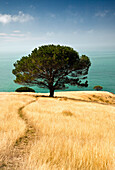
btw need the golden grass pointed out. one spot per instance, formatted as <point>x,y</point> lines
<point>83,141</point>
<point>97,96</point>
<point>75,132</point>
<point>12,127</point>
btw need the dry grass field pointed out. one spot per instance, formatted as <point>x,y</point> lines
<point>73,130</point>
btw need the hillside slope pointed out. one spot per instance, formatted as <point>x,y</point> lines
<point>74,130</point>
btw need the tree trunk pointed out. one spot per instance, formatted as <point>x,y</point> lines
<point>52,92</point>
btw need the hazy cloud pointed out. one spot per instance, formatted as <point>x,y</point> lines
<point>102,13</point>
<point>50,34</point>
<point>16,31</point>
<point>3,34</point>
<point>52,15</point>
<point>15,36</point>
<point>32,6</point>
<point>21,17</point>
<point>90,31</point>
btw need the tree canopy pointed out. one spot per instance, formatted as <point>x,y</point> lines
<point>53,67</point>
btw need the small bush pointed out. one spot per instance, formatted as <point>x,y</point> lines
<point>98,88</point>
<point>25,89</point>
<point>67,113</point>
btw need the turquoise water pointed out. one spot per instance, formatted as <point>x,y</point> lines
<point>102,72</point>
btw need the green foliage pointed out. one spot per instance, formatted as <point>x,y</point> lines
<point>53,67</point>
<point>25,89</point>
<point>98,88</point>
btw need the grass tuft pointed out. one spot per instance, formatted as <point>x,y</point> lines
<point>67,113</point>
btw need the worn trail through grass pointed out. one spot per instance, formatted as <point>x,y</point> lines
<point>16,158</point>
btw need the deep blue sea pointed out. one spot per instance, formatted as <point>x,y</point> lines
<point>101,72</point>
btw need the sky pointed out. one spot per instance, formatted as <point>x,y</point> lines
<point>82,24</point>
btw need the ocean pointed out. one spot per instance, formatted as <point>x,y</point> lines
<point>101,72</point>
